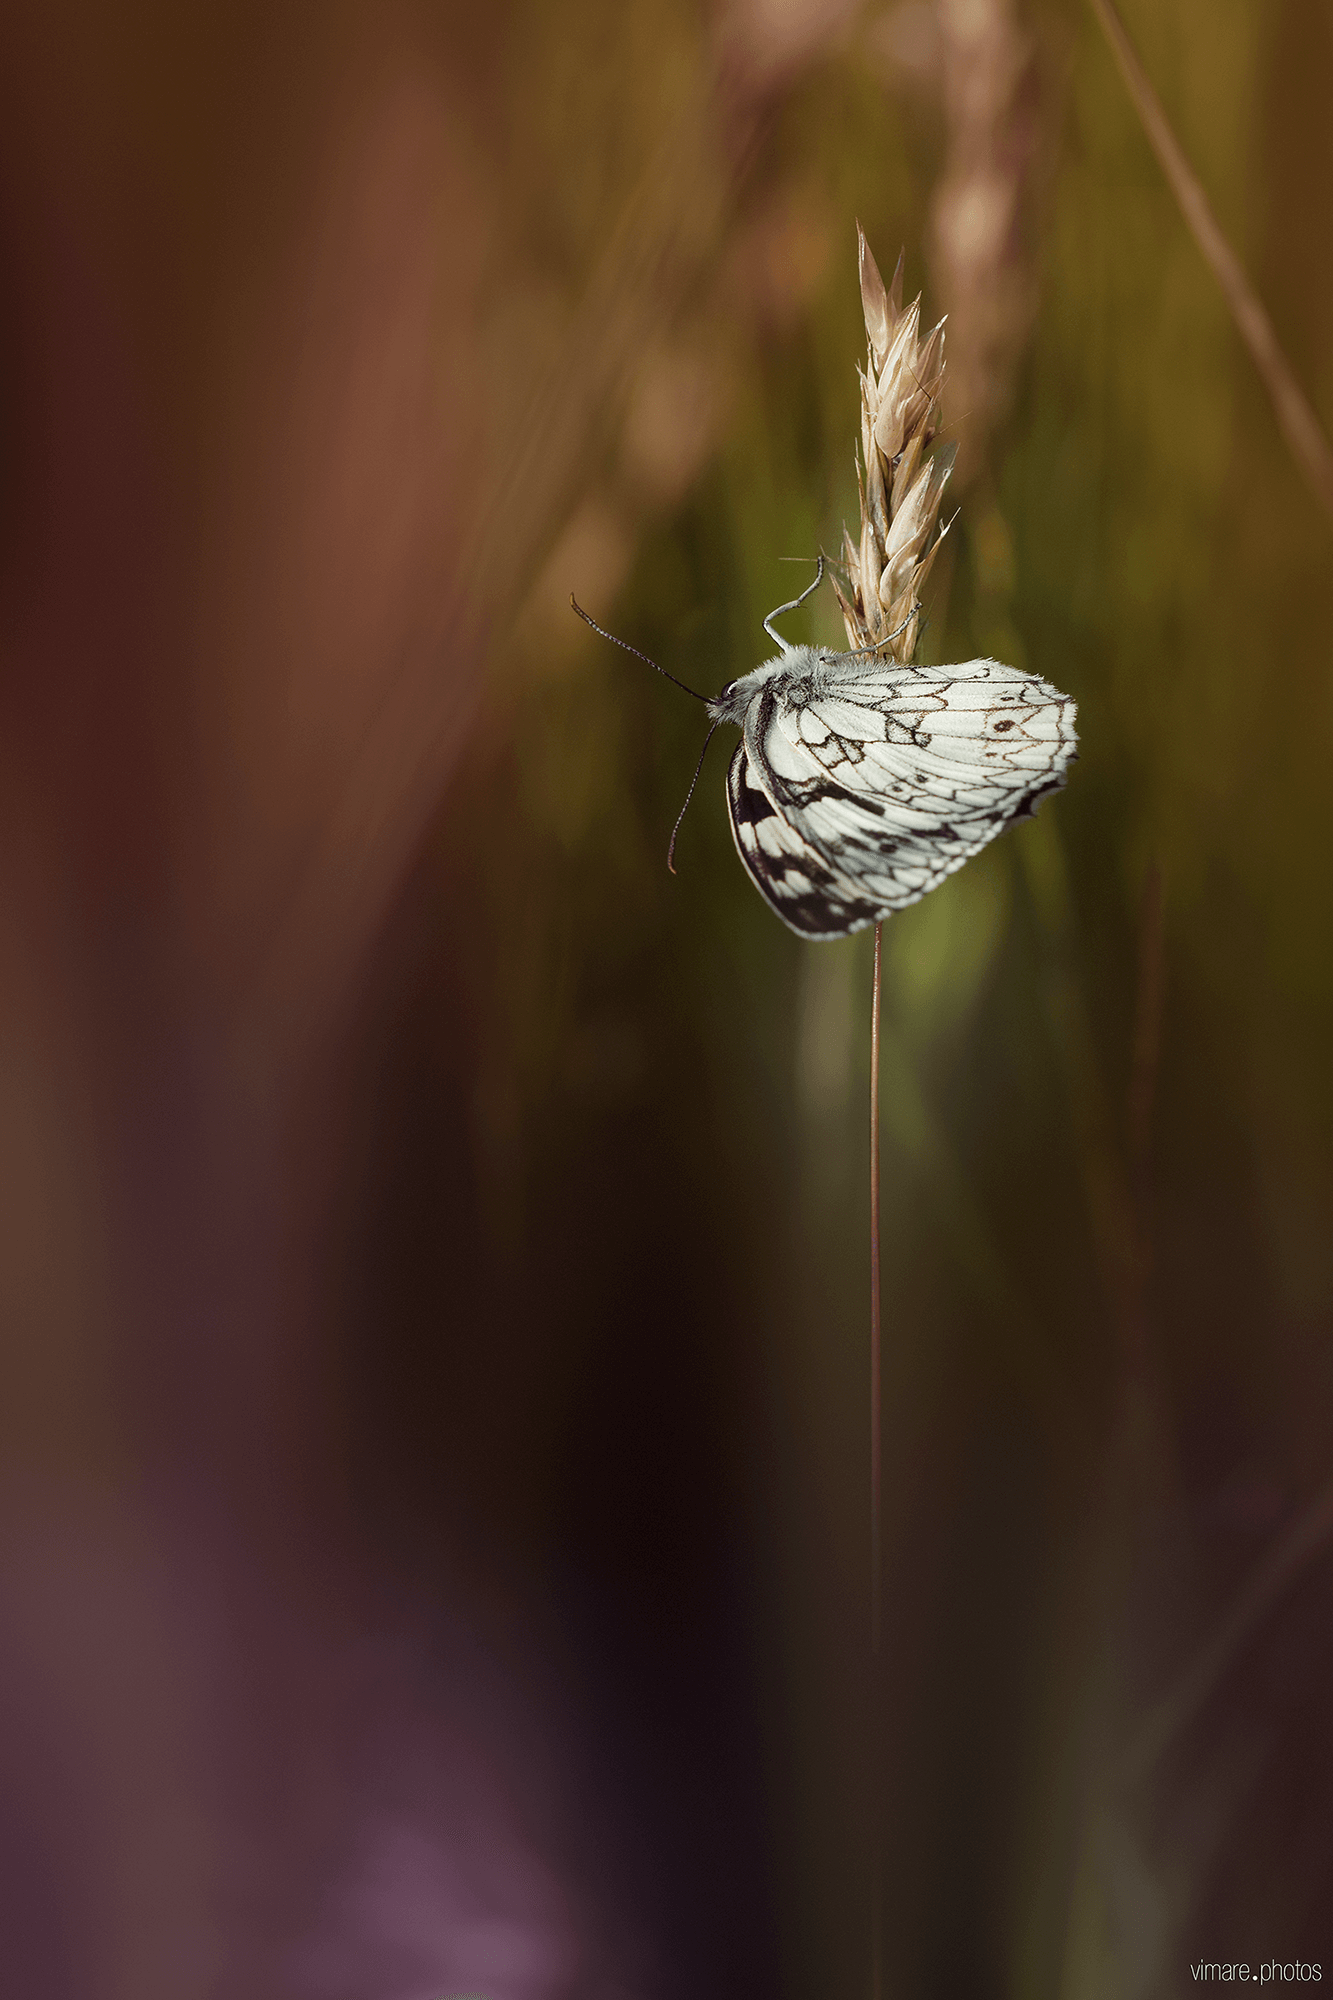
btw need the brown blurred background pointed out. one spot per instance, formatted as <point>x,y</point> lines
<point>434,1531</point>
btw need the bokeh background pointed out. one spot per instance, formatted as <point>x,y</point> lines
<point>434,1542</point>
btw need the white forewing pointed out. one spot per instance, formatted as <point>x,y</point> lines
<point>857,787</point>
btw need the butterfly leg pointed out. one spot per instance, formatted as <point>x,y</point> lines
<point>796,601</point>
<point>868,652</point>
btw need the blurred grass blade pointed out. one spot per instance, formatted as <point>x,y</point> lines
<point>1292,1553</point>
<point>1296,419</point>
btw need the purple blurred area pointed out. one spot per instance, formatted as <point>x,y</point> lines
<point>244,435</point>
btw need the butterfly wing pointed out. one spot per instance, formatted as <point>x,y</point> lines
<point>794,877</point>
<point>892,778</point>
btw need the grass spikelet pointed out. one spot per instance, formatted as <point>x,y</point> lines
<point>901,482</point>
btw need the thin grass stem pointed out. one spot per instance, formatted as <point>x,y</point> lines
<point>877,1842</point>
<point>874,1308</point>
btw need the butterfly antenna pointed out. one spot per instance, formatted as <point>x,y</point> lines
<point>671,851</point>
<point>634,649</point>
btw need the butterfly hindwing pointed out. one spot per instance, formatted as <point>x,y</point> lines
<point>794,878</point>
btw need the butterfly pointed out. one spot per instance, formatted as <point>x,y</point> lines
<point>859,783</point>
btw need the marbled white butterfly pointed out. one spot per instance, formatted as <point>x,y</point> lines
<point>860,783</point>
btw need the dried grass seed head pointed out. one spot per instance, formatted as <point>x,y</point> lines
<point>899,484</point>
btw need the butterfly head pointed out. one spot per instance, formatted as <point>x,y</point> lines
<point>729,705</point>
<point>733,704</point>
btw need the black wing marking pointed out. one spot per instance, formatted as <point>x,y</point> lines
<point>794,878</point>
